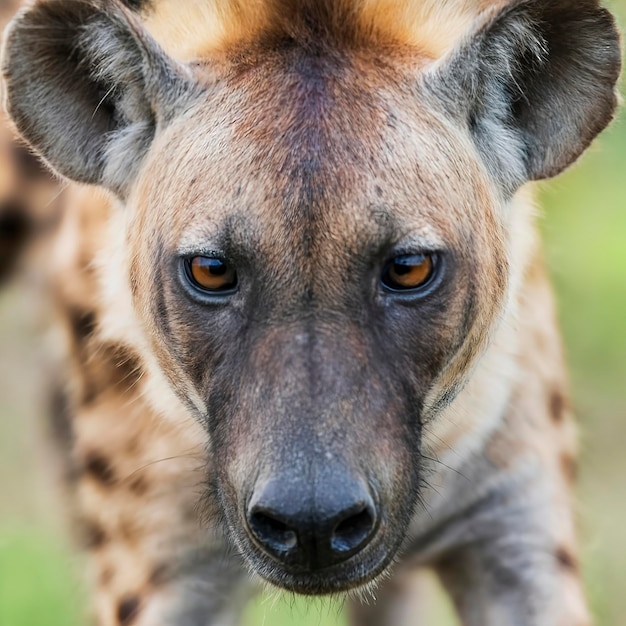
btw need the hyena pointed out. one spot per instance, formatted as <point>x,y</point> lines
<point>310,338</point>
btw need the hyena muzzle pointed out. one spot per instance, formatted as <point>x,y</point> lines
<point>329,265</point>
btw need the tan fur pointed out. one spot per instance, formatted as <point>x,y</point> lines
<point>191,29</point>
<point>139,477</point>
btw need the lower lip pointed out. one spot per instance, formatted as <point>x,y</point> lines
<point>316,583</point>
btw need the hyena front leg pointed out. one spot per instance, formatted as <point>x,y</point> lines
<point>492,585</point>
<point>155,561</point>
<point>514,560</point>
<point>141,483</point>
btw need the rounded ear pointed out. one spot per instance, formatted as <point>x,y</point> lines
<point>535,85</point>
<point>87,87</point>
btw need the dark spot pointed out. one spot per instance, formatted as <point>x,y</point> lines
<point>127,610</point>
<point>557,406</point>
<point>83,323</point>
<point>95,536</point>
<point>126,364</point>
<point>14,222</point>
<point>570,467</point>
<point>566,559</point>
<point>15,227</point>
<point>136,5</point>
<point>107,367</point>
<point>379,191</point>
<point>99,468</point>
<point>89,391</point>
<point>138,486</point>
<point>129,368</point>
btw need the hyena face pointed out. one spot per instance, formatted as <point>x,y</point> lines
<point>346,224</point>
<point>318,238</point>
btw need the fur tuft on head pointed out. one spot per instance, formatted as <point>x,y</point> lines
<point>189,29</point>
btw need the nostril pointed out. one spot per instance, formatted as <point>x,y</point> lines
<point>311,527</point>
<point>272,533</point>
<point>352,531</point>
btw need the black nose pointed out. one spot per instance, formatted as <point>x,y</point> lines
<point>312,528</point>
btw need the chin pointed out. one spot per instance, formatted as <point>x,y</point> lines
<point>358,572</point>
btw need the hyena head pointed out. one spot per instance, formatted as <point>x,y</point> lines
<point>318,234</point>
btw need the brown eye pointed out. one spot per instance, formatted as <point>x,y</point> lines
<point>211,274</point>
<point>409,272</point>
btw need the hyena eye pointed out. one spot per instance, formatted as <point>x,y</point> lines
<point>410,272</point>
<point>211,274</point>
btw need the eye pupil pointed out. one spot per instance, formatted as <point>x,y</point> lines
<point>401,268</point>
<point>216,267</point>
<point>409,272</point>
<point>211,274</point>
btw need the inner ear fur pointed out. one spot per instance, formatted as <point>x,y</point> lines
<point>87,87</point>
<point>535,85</point>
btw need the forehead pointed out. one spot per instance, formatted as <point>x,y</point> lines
<point>303,139</point>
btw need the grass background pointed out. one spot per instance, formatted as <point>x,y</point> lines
<point>584,226</point>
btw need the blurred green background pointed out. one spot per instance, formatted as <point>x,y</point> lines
<point>584,226</point>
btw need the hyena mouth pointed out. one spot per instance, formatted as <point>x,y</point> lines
<point>359,571</point>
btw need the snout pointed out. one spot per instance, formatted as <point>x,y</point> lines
<point>312,526</point>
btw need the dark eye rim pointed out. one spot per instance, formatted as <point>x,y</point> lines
<point>196,290</point>
<point>423,290</point>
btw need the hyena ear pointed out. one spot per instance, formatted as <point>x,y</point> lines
<point>534,85</point>
<point>88,87</point>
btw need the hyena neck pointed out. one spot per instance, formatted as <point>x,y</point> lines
<point>106,346</point>
<point>465,425</point>
<point>505,427</point>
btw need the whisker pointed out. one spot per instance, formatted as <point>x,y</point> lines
<point>157,461</point>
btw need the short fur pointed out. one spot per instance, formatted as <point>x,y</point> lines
<point>191,29</point>
<point>308,143</point>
